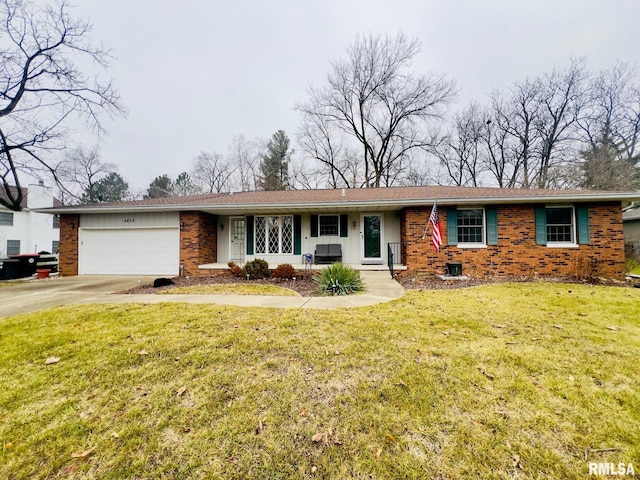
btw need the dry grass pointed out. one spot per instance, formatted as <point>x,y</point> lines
<point>232,289</point>
<point>501,381</point>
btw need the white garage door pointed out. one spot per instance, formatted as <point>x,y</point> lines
<point>143,251</point>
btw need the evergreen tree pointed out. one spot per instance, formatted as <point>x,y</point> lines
<point>161,186</point>
<point>112,188</point>
<point>274,168</point>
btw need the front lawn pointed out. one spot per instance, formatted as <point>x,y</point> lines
<point>501,381</point>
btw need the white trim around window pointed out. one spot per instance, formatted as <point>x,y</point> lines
<point>561,228</point>
<point>469,227</point>
<point>273,234</point>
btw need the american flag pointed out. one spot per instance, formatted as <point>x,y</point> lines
<point>436,235</point>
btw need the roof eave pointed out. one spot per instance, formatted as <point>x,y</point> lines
<point>350,205</point>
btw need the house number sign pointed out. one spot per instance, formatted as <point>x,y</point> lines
<point>129,220</point>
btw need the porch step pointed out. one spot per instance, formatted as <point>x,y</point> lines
<point>381,284</point>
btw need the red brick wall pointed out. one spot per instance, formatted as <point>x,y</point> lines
<point>68,247</point>
<point>198,241</point>
<point>517,252</point>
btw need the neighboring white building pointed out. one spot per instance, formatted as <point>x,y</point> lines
<point>27,231</point>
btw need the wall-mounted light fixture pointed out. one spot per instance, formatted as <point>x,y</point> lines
<point>354,224</point>
<point>222,227</point>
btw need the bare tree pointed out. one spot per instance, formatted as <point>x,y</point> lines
<point>376,101</point>
<point>561,100</point>
<point>460,151</point>
<point>245,157</point>
<point>320,139</point>
<point>41,88</point>
<point>80,171</point>
<point>614,114</point>
<point>213,173</point>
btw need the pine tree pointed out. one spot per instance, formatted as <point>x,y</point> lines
<point>274,169</point>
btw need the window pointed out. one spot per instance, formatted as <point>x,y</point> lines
<point>13,247</point>
<point>329,225</point>
<point>54,246</point>
<point>560,225</point>
<point>471,226</point>
<point>56,221</point>
<point>274,234</point>
<point>6,219</point>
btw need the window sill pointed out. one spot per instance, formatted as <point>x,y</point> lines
<point>562,245</point>
<point>472,245</point>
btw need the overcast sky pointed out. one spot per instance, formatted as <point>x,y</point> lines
<point>194,73</point>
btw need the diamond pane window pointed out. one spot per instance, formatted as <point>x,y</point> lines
<point>287,235</point>
<point>273,233</point>
<point>261,235</point>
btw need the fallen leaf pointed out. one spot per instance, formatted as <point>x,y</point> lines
<point>71,469</point>
<point>559,327</point>
<point>115,434</point>
<point>378,453</point>
<point>318,437</point>
<point>302,412</point>
<point>499,326</point>
<point>51,360</point>
<point>615,329</point>
<point>314,469</point>
<point>8,445</point>
<point>83,453</point>
<point>181,391</point>
<point>143,352</point>
<point>571,378</point>
<point>391,438</point>
<point>401,384</point>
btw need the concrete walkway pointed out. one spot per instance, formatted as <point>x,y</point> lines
<point>32,295</point>
<point>380,287</point>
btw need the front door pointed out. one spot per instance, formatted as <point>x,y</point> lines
<point>372,239</point>
<point>236,239</point>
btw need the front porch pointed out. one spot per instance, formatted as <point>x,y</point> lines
<point>312,267</point>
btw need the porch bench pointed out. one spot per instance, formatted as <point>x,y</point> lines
<point>328,253</point>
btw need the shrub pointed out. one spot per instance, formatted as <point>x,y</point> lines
<point>284,270</point>
<point>236,271</point>
<point>256,269</point>
<point>339,279</point>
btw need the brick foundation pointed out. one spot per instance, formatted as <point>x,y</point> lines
<point>68,247</point>
<point>517,252</point>
<point>198,242</point>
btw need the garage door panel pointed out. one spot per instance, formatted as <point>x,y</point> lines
<point>152,251</point>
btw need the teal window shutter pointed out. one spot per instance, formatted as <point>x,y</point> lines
<point>249,235</point>
<point>344,225</point>
<point>452,226</point>
<point>297,234</point>
<point>492,225</point>
<point>583,225</point>
<point>541,225</point>
<point>314,225</point>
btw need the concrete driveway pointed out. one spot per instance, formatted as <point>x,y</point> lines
<point>31,295</point>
